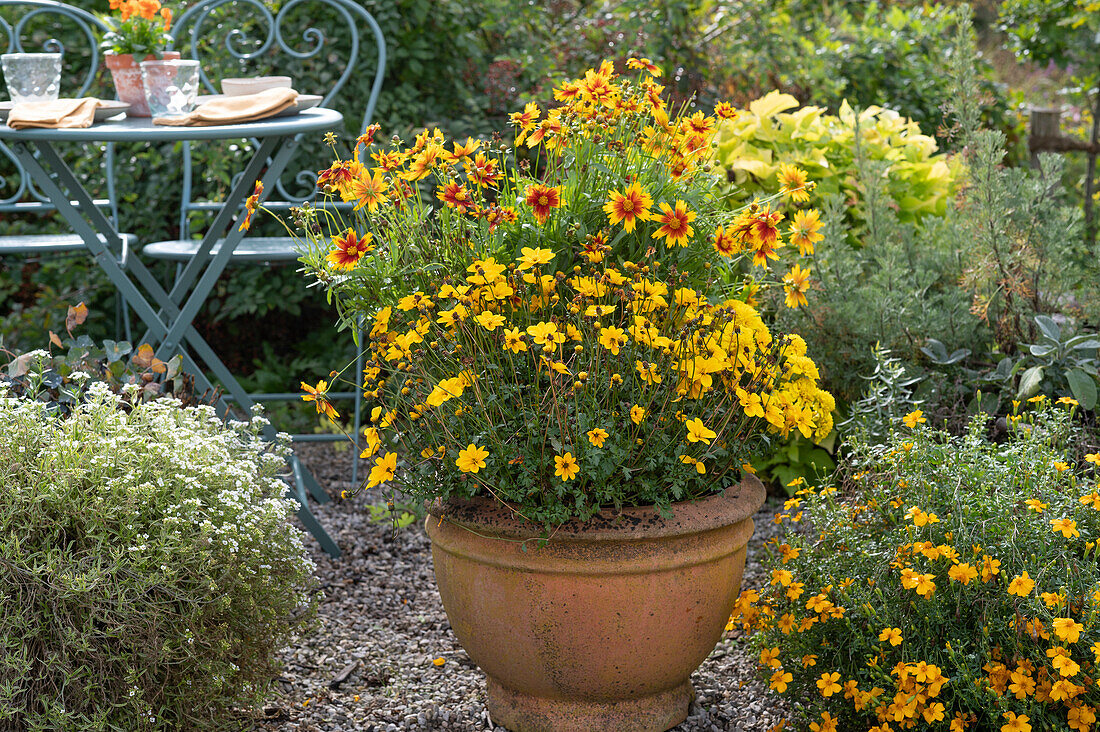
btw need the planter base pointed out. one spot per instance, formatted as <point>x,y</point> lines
<point>521,712</point>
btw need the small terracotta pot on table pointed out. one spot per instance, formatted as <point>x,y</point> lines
<point>600,627</point>
<point>126,72</point>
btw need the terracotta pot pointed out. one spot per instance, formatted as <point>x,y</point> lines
<point>601,627</point>
<point>126,72</point>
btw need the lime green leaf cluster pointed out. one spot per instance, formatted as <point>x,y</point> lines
<point>774,130</point>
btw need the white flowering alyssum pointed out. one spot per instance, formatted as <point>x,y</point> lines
<point>148,570</point>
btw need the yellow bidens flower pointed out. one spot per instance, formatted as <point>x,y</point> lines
<point>383,470</point>
<point>1066,527</point>
<point>637,414</point>
<point>1021,585</point>
<point>566,466</point>
<point>891,635</point>
<point>914,418</point>
<point>597,436</point>
<point>698,432</point>
<point>472,459</point>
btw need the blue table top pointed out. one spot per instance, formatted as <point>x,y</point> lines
<point>138,129</point>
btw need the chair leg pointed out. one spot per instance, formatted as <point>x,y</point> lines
<point>302,480</point>
<point>305,478</point>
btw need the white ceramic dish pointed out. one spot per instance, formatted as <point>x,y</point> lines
<point>107,108</point>
<point>305,101</point>
<point>241,87</point>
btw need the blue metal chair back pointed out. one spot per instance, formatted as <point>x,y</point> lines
<point>234,38</point>
<point>45,26</point>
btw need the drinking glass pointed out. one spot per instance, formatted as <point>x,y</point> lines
<point>171,87</point>
<point>32,77</point>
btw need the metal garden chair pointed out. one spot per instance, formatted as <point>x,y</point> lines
<point>232,38</point>
<point>51,27</point>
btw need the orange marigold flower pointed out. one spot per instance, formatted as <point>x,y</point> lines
<point>541,198</point>
<point>676,222</point>
<point>629,207</point>
<point>350,248</point>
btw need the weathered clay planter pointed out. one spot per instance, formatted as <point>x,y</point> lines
<point>126,72</point>
<point>600,628</point>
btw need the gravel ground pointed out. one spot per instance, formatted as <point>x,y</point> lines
<point>382,624</point>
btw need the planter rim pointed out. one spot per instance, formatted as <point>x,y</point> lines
<point>634,523</point>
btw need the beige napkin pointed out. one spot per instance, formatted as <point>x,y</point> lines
<point>60,113</point>
<point>236,110</point>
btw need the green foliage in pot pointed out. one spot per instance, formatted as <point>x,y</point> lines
<point>148,570</point>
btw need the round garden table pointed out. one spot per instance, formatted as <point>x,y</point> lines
<point>169,316</point>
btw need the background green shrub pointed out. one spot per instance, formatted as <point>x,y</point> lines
<point>148,571</point>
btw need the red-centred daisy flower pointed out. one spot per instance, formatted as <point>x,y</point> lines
<point>370,190</point>
<point>548,128</point>
<point>350,248</point>
<point>677,227</point>
<point>455,195</point>
<point>367,138</point>
<point>725,110</point>
<point>463,151</point>
<point>318,395</point>
<point>483,171</point>
<point>629,207</point>
<point>388,160</point>
<point>567,91</point>
<point>804,230</point>
<point>594,247</point>
<point>643,63</point>
<point>725,242</point>
<point>596,88</point>
<point>250,205</point>
<point>542,198</point>
<point>338,176</point>
<point>698,123</point>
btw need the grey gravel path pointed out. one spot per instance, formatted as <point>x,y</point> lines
<point>381,616</point>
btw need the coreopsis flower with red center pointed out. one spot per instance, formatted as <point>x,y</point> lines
<point>795,284</point>
<point>596,88</point>
<point>725,243</point>
<point>804,230</point>
<point>541,198</point>
<point>793,182</point>
<point>455,195</point>
<point>367,138</point>
<point>676,222</point>
<point>338,176</point>
<point>725,110</point>
<point>643,63</point>
<point>318,395</point>
<point>697,124</point>
<point>388,160</point>
<point>525,120</point>
<point>567,91</point>
<point>422,164</point>
<point>629,207</point>
<point>483,171</point>
<point>594,246</point>
<point>350,248</point>
<point>546,129</point>
<point>369,190</point>
<point>250,205</point>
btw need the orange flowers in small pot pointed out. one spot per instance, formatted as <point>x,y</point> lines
<point>139,33</point>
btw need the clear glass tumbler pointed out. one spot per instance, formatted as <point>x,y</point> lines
<point>32,77</point>
<point>171,87</point>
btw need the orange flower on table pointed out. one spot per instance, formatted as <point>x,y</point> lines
<point>793,182</point>
<point>542,198</point>
<point>369,189</point>
<point>471,459</point>
<point>795,285</point>
<point>250,205</point>
<point>454,195</point>
<point>166,16</point>
<point>629,207</point>
<point>350,248</point>
<point>804,230</point>
<point>676,222</point>
<point>383,470</point>
<point>566,466</point>
<point>318,395</point>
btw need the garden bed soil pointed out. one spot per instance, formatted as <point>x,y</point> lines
<point>371,663</point>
